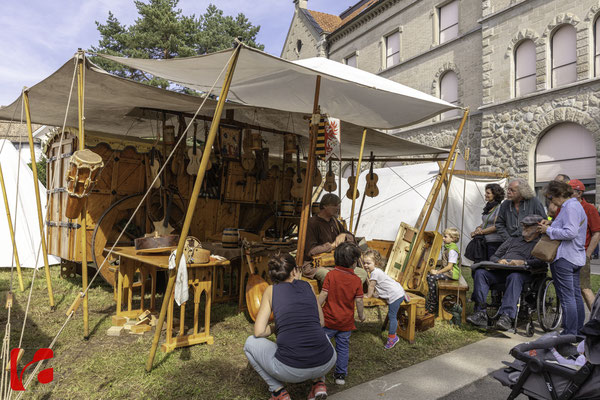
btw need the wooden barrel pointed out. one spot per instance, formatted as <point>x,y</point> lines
<point>287,208</point>
<point>231,238</point>
<point>315,208</point>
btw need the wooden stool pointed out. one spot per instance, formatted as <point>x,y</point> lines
<point>448,288</point>
<point>407,316</point>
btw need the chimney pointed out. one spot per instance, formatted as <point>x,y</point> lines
<point>301,3</point>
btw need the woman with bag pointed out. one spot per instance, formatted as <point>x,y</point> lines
<point>494,195</point>
<point>569,228</point>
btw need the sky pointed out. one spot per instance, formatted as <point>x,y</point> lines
<point>38,36</point>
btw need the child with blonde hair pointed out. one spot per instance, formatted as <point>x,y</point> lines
<point>387,289</point>
<point>450,268</point>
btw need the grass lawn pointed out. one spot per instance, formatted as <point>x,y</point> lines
<point>113,367</point>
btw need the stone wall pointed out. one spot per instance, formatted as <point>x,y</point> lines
<point>300,30</point>
<point>511,131</point>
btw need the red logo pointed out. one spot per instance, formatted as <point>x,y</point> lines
<point>44,376</point>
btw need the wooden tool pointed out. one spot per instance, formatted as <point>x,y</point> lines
<point>330,185</point>
<point>371,189</point>
<point>351,181</point>
<point>298,186</point>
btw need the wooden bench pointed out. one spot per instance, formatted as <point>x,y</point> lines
<point>407,331</point>
<point>452,288</point>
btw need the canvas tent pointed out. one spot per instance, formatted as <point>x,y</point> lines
<point>119,106</point>
<point>402,194</point>
<point>18,177</point>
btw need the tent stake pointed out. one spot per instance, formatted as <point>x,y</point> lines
<point>83,228</point>
<point>308,180</point>
<point>360,155</point>
<point>37,198</point>
<point>11,231</point>
<point>192,206</point>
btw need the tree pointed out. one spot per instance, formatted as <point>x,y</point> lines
<point>162,31</point>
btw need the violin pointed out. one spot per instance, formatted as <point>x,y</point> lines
<point>351,181</point>
<point>371,188</point>
<point>330,185</point>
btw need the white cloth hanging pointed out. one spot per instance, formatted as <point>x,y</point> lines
<point>182,292</point>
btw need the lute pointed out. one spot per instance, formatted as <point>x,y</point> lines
<point>330,184</point>
<point>351,181</point>
<point>371,188</point>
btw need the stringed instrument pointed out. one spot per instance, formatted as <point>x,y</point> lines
<point>177,160</point>
<point>371,188</point>
<point>248,157</point>
<point>154,167</point>
<point>351,181</point>
<point>330,184</point>
<point>195,157</point>
<point>297,190</point>
<point>317,177</point>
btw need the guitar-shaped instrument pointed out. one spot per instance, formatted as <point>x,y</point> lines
<point>351,181</point>
<point>195,157</point>
<point>298,186</point>
<point>154,167</point>
<point>163,227</point>
<point>330,184</point>
<point>371,189</point>
<point>317,177</point>
<point>248,158</point>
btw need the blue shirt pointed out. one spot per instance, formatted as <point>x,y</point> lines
<point>570,227</point>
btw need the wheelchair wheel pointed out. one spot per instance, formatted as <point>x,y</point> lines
<point>548,306</point>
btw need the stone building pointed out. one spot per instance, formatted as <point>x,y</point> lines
<point>527,69</point>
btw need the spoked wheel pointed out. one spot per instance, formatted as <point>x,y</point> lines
<point>548,306</point>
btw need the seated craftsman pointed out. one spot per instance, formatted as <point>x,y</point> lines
<point>323,234</point>
<point>514,251</point>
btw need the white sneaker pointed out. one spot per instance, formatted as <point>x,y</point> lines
<point>340,379</point>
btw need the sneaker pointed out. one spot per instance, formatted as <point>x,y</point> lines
<point>340,379</point>
<point>318,391</point>
<point>504,323</point>
<point>283,395</point>
<point>479,319</point>
<point>391,342</point>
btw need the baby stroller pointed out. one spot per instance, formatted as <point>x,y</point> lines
<point>537,374</point>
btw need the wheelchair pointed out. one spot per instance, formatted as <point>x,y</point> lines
<point>538,299</point>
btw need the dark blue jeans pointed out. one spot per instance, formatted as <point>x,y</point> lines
<point>393,315</point>
<point>568,290</point>
<point>342,347</point>
<point>513,282</point>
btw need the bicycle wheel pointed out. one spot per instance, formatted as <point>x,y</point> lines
<point>548,306</point>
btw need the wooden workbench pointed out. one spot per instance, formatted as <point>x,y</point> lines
<point>200,278</point>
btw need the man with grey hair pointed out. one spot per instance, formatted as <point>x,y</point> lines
<point>520,202</point>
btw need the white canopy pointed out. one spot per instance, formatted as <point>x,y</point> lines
<point>27,231</point>
<point>263,80</point>
<point>402,194</point>
<point>120,106</point>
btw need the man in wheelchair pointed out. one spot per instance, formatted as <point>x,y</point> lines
<point>516,251</point>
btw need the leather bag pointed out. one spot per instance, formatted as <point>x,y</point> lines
<point>545,249</point>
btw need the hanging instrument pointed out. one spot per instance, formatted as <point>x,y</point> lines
<point>351,181</point>
<point>195,157</point>
<point>154,167</point>
<point>298,186</point>
<point>330,184</point>
<point>371,188</point>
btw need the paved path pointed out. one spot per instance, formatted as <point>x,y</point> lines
<point>461,374</point>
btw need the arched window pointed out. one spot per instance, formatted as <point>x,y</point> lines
<point>525,68</point>
<point>597,47</point>
<point>449,92</point>
<point>299,45</point>
<point>564,56</point>
<point>569,149</point>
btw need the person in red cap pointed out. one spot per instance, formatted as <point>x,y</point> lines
<point>591,240</point>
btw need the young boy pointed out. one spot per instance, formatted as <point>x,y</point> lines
<point>341,290</point>
<point>450,268</point>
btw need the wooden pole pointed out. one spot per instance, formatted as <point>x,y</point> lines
<point>360,155</point>
<point>37,197</point>
<point>192,206</point>
<point>306,198</point>
<point>445,201</point>
<point>83,218</point>
<point>11,231</point>
<point>436,191</point>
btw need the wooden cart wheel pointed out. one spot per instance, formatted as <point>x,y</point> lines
<point>107,231</point>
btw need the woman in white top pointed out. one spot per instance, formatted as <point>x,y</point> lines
<point>387,289</point>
